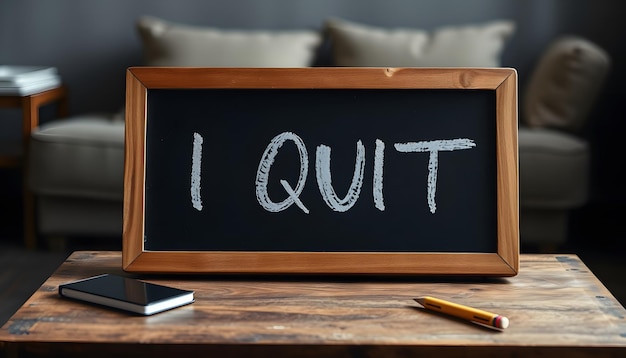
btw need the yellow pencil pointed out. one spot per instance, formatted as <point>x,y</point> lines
<point>465,312</point>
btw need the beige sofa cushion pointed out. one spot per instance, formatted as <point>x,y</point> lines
<point>478,45</point>
<point>170,44</point>
<point>565,84</point>
<point>81,157</point>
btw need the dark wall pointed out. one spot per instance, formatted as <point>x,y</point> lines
<point>92,42</point>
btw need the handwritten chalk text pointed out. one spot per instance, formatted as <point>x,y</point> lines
<point>323,172</point>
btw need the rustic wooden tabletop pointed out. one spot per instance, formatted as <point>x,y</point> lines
<point>555,305</point>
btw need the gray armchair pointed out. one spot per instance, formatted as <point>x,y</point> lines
<point>554,156</point>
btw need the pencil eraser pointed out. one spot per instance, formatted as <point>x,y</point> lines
<point>502,322</point>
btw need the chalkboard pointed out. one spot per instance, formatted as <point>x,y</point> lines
<point>321,170</point>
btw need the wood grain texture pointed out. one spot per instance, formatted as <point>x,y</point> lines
<point>556,307</point>
<point>134,164</point>
<point>508,170</point>
<point>322,77</point>
<point>504,262</point>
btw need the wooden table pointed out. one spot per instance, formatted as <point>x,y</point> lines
<point>30,106</point>
<point>557,308</point>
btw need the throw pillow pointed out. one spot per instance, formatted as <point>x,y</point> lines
<point>170,44</point>
<point>453,46</point>
<point>565,84</point>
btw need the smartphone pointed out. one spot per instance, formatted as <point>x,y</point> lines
<point>127,294</point>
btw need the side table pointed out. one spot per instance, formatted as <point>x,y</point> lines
<point>30,106</point>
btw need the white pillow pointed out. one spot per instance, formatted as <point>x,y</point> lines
<point>170,44</point>
<point>453,46</point>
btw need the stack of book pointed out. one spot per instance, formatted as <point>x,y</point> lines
<point>27,80</point>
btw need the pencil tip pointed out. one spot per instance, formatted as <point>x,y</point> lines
<point>420,300</point>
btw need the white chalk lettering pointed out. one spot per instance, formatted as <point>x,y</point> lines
<point>324,175</point>
<point>196,167</point>
<point>324,178</point>
<point>434,147</point>
<point>265,166</point>
<point>293,195</point>
<point>379,155</point>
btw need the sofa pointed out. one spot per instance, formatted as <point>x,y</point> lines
<point>76,164</point>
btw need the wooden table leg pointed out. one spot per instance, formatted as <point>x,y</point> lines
<point>30,120</point>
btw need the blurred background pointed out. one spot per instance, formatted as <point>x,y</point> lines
<point>92,42</point>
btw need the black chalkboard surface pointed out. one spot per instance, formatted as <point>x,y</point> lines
<point>321,170</point>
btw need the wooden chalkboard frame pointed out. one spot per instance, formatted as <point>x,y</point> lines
<point>503,263</point>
